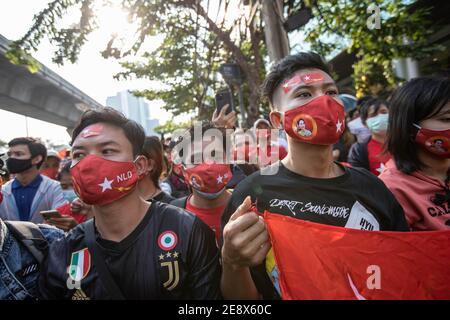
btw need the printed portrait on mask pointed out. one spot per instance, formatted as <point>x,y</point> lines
<point>302,129</point>
<point>438,144</point>
<point>305,126</point>
<point>196,181</point>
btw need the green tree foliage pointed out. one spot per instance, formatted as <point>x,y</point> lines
<point>171,126</point>
<point>343,25</point>
<point>187,61</point>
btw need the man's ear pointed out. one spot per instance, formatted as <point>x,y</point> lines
<point>275,119</point>
<point>142,166</point>
<point>36,160</point>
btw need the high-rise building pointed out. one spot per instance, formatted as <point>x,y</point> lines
<point>133,108</point>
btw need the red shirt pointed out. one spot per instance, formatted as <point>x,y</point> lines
<point>377,160</point>
<point>415,193</point>
<point>210,216</point>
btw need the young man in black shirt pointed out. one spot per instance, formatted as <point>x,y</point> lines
<point>132,249</point>
<point>306,185</point>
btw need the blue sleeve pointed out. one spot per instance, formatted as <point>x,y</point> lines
<point>51,233</point>
<point>57,196</point>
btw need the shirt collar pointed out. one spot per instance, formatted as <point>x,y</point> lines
<point>33,184</point>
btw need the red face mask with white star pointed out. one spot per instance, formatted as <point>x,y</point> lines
<point>98,181</point>
<point>320,121</point>
<point>208,178</point>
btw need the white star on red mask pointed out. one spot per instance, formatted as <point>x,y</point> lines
<point>106,184</point>
<point>339,126</point>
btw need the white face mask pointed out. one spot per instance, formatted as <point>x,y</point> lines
<point>358,129</point>
<point>378,123</point>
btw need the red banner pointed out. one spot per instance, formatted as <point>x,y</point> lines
<point>317,261</point>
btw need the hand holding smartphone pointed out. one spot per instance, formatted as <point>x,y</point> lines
<point>223,98</point>
<point>50,214</point>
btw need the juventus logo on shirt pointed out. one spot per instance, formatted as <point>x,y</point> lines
<point>173,270</point>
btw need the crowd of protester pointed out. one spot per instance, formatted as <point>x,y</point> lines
<point>112,218</point>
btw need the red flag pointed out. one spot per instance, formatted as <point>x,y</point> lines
<point>317,261</point>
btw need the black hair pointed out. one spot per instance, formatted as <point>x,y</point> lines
<point>417,100</point>
<point>153,150</point>
<point>133,131</point>
<point>363,100</point>
<point>365,107</point>
<point>2,163</point>
<point>64,170</point>
<point>205,126</point>
<point>351,112</point>
<point>35,146</point>
<point>287,66</point>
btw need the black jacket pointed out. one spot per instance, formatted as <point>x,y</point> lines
<point>358,155</point>
<point>180,202</point>
<point>170,255</point>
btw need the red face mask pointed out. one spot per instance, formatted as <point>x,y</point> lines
<point>320,121</point>
<point>208,179</point>
<point>435,141</point>
<point>50,172</point>
<point>99,181</point>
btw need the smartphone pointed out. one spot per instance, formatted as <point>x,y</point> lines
<point>50,214</point>
<point>223,98</point>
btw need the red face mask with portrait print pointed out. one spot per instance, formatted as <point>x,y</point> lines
<point>320,121</point>
<point>435,141</point>
<point>99,181</point>
<point>208,178</point>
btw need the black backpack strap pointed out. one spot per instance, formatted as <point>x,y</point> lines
<point>99,261</point>
<point>180,202</point>
<point>30,236</point>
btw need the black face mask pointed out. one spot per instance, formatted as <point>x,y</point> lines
<point>18,165</point>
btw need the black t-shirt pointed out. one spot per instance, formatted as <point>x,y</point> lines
<point>357,199</point>
<point>170,255</point>
<point>162,197</point>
